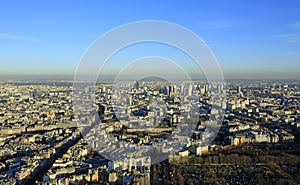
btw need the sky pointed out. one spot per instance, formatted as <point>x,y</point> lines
<point>250,39</point>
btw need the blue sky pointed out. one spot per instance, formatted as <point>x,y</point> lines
<point>251,39</point>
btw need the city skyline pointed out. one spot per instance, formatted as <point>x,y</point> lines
<point>149,92</point>
<point>145,132</point>
<point>251,40</point>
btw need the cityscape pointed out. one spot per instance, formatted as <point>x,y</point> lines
<point>41,142</point>
<point>150,92</point>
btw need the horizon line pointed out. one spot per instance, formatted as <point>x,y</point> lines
<point>70,77</point>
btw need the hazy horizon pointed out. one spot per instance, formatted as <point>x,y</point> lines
<point>130,78</point>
